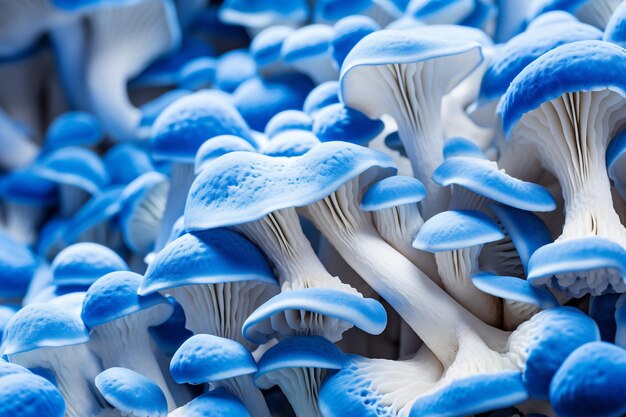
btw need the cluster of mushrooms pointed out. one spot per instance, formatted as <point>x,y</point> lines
<point>312,208</point>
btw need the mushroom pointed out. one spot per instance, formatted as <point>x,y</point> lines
<point>131,393</point>
<point>616,163</point>
<point>73,129</point>
<point>217,276</point>
<point>265,50</point>
<point>18,266</point>
<point>222,363</point>
<point>218,146</point>
<point>233,68</point>
<point>588,383</point>
<point>308,50</point>
<point>288,120</point>
<point>28,395</point>
<point>78,172</point>
<point>215,403</point>
<point>338,122</point>
<point>51,337</point>
<point>321,96</point>
<point>177,134</point>
<point>256,16</point>
<point>23,149</point>
<point>126,162</point>
<point>298,365</point>
<point>80,265</point>
<point>571,123</point>
<point>440,11</point>
<point>26,199</point>
<point>310,297</point>
<point>118,320</point>
<point>143,204</point>
<point>389,72</point>
<point>347,32</point>
<point>290,143</point>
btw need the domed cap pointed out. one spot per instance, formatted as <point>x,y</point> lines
<point>216,403</point>
<point>233,68</point>
<point>255,14</point>
<point>578,66</point>
<point>590,382</point>
<point>348,31</point>
<point>187,123</point>
<point>321,96</point>
<point>115,296</point>
<point>74,166</point>
<point>288,120</point>
<point>28,395</point>
<point>126,162</point>
<point>83,263</point>
<point>206,358</point>
<point>208,257</point>
<point>290,144</point>
<point>24,186</point>
<point>458,146</point>
<point>338,122</point>
<point>456,229</point>
<point>73,129</point>
<point>218,146</point>
<point>307,42</point>
<point>265,47</point>
<point>517,53</point>
<point>39,326</point>
<point>131,393</point>
<point>17,267</point>
<point>266,184</point>
<point>392,192</point>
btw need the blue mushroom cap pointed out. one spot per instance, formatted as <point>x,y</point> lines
<point>218,146</point>
<point>83,263</point>
<point>473,395</point>
<point>266,46</point>
<point>8,368</point>
<point>288,120</point>
<point>332,10</point>
<point>393,191</point>
<point>558,332</point>
<point>115,296</point>
<point>323,95</point>
<point>198,73</point>
<point>524,48</point>
<point>456,229</point>
<point>484,178</point>
<point>252,13</point>
<point>265,184</point>
<point>74,166</point>
<point>28,395</point>
<point>259,99</point>
<point>307,42</point>
<point>514,288</point>
<point>216,403</point>
<point>233,68</point>
<point>615,30</point>
<point>538,7</point>
<point>208,257</point>
<point>300,352</point>
<point>590,382</point>
<point>338,122</point>
<point>73,129</point>
<point>127,161</point>
<point>24,186</point>
<point>462,147</point>
<point>40,325</point>
<point>578,66</point>
<point>348,31</point>
<point>187,123</point>
<point>131,392</point>
<point>290,144</point>
<point>152,109</point>
<point>206,358</point>
<point>17,267</point>
<point>433,11</point>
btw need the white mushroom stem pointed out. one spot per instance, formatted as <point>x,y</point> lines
<point>300,386</point>
<point>243,388</point>
<point>571,134</point>
<point>125,342</point>
<point>124,40</point>
<point>398,226</point>
<point>280,236</point>
<point>221,309</point>
<point>22,149</point>
<point>21,220</point>
<point>182,176</point>
<point>147,217</point>
<point>75,369</point>
<point>456,268</point>
<point>430,312</point>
